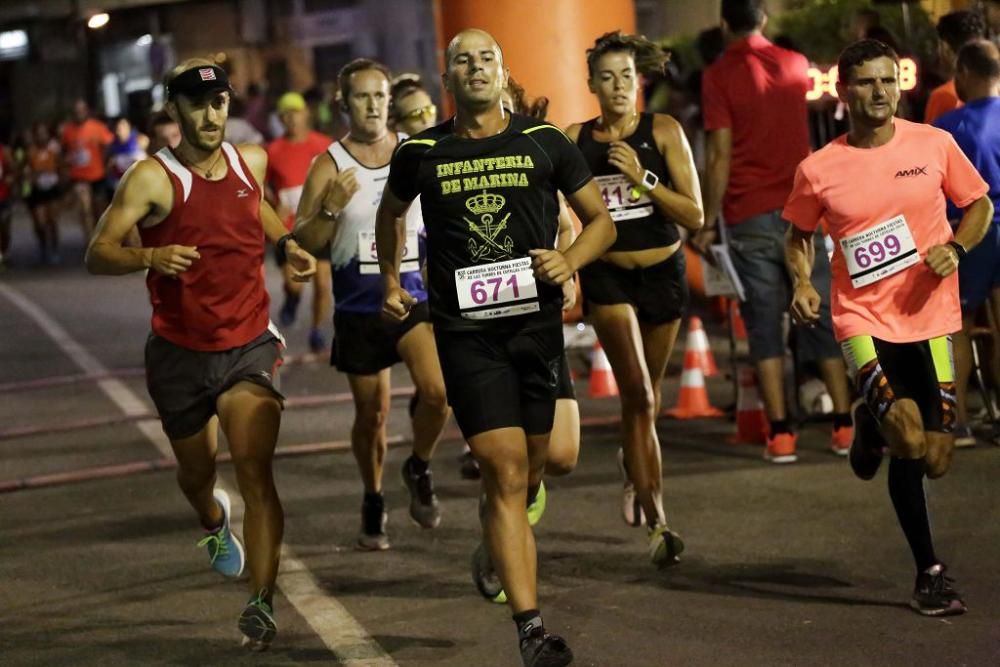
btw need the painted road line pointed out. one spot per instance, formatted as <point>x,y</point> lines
<point>293,403</point>
<point>113,471</point>
<point>341,632</point>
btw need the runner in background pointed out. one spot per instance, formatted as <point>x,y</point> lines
<point>288,160</point>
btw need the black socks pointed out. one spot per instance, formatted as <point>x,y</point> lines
<point>779,426</point>
<point>527,621</point>
<point>842,419</point>
<point>416,466</point>
<point>906,488</point>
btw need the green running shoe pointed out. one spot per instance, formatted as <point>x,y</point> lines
<point>257,623</point>
<point>537,508</point>
<point>665,546</point>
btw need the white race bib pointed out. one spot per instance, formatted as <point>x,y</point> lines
<point>879,252</point>
<point>502,289</point>
<point>617,192</point>
<point>46,180</point>
<point>368,253</point>
<point>80,158</point>
<point>289,198</point>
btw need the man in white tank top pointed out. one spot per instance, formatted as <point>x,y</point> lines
<point>338,205</point>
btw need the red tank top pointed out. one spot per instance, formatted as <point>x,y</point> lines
<point>220,302</point>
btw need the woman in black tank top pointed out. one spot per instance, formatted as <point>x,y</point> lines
<point>636,294</point>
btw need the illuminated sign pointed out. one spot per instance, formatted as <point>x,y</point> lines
<point>824,82</point>
<point>13,44</point>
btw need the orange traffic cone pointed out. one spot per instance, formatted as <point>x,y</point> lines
<point>602,380</point>
<point>736,321</point>
<point>693,399</point>
<point>751,420</point>
<point>697,351</point>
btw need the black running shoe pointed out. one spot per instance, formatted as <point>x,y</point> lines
<point>933,594</point>
<point>424,507</point>
<point>866,449</point>
<point>468,466</point>
<point>540,649</point>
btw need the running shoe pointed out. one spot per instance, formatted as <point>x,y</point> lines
<point>963,436</point>
<point>468,466</point>
<point>257,623</point>
<point>540,649</point>
<point>317,342</point>
<point>781,448</point>
<point>665,546</point>
<point>868,444</point>
<point>424,508</point>
<point>536,508</point>
<point>933,594</point>
<point>485,577</point>
<point>225,552</point>
<point>841,439</point>
<point>631,507</point>
<point>286,317</point>
<point>373,519</point>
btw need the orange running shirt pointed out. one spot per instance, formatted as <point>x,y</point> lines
<point>943,99</point>
<point>84,148</point>
<point>884,208</point>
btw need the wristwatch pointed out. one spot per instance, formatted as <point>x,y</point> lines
<point>649,181</point>
<point>959,249</point>
<point>279,247</point>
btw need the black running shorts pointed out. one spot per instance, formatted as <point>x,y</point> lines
<point>365,343</point>
<point>185,384</point>
<point>659,292</point>
<point>565,388</point>
<point>502,378</point>
<point>921,371</point>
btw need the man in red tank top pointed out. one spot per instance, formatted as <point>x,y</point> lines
<point>213,354</point>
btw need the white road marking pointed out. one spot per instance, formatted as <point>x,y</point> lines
<point>341,632</point>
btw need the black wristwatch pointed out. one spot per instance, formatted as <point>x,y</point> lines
<point>959,249</point>
<point>279,247</point>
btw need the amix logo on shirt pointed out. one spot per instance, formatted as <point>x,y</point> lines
<point>915,171</point>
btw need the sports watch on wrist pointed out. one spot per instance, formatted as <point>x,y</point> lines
<point>279,247</point>
<point>649,181</point>
<point>959,249</point>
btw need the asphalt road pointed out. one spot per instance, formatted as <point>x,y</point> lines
<point>792,565</point>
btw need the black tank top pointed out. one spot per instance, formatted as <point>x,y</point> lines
<point>640,225</point>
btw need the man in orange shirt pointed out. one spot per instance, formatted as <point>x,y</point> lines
<point>881,190</point>
<point>84,140</point>
<point>954,30</point>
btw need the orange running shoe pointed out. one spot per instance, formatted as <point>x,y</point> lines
<point>841,439</point>
<point>781,448</point>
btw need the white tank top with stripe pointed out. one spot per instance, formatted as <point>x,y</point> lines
<point>356,223</point>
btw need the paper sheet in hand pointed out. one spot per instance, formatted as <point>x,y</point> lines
<point>721,279</point>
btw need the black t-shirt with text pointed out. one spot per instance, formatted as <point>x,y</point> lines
<point>486,203</point>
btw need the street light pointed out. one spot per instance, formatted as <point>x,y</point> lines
<point>98,21</point>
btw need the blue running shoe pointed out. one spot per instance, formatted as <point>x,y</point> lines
<point>257,623</point>
<point>224,551</point>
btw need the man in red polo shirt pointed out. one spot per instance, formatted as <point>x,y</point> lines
<point>754,99</point>
<point>288,161</point>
